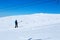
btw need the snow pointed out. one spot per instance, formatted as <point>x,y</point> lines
<point>35,27</point>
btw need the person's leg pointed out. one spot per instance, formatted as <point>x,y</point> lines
<point>16,26</point>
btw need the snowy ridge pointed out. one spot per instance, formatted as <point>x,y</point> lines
<point>31,27</point>
<point>30,20</point>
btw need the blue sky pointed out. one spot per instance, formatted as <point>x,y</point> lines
<point>21,7</point>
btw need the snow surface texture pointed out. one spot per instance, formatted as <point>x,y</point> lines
<point>31,27</point>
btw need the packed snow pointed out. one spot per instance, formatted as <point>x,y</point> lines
<point>30,27</point>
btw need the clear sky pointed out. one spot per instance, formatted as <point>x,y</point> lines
<point>21,7</point>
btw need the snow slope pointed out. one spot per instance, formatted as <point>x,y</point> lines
<point>34,27</point>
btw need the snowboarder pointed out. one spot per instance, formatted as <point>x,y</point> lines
<point>16,24</point>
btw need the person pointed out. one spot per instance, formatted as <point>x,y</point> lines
<point>16,24</point>
<point>29,38</point>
